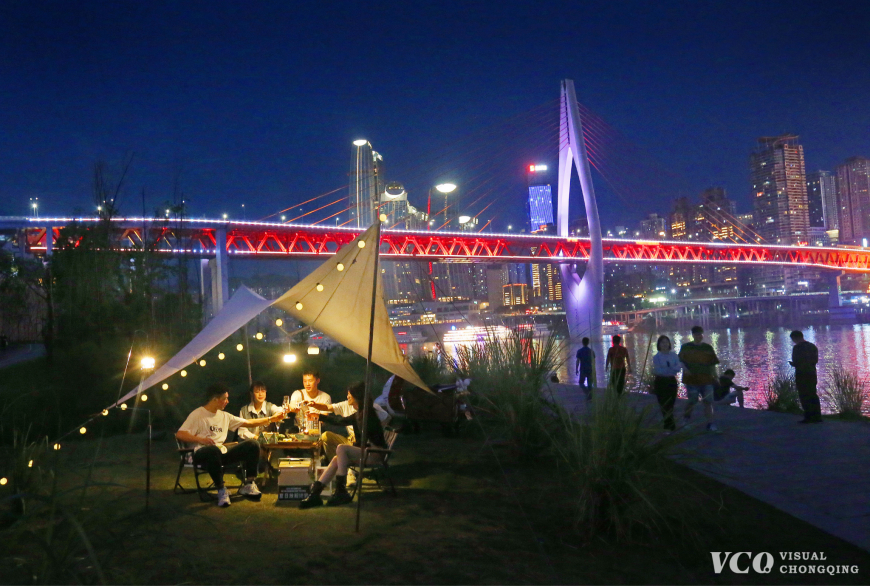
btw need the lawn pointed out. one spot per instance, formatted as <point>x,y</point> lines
<point>465,513</point>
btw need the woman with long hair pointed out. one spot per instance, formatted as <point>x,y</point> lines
<point>346,455</point>
<point>666,365</point>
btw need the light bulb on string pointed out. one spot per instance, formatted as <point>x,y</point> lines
<point>30,464</point>
<point>83,430</point>
<point>165,387</point>
<point>183,373</point>
<point>56,447</point>
<point>259,335</point>
<point>339,267</point>
<point>361,243</point>
<point>240,347</point>
<point>221,356</point>
<point>105,412</point>
<point>144,398</point>
<point>202,362</point>
<point>319,287</point>
<point>3,481</point>
<point>298,305</point>
<point>279,322</point>
<point>123,406</point>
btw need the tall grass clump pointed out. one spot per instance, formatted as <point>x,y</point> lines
<point>507,375</point>
<point>430,367</point>
<point>616,465</point>
<point>846,393</point>
<point>781,394</point>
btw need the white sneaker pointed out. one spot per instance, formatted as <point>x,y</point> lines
<point>250,490</point>
<point>223,498</point>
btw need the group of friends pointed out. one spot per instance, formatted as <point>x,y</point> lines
<point>207,428</point>
<point>698,362</point>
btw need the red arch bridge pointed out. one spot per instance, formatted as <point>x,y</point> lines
<point>209,238</point>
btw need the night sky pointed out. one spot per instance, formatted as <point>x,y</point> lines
<point>258,102</point>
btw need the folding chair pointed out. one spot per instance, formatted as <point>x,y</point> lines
<point>185,460</point>
<point>382,468</point>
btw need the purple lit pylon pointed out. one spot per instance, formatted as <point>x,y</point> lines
<point>583,298</point>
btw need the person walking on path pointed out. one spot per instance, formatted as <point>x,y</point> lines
<point>585,368</point>
<point>618,363</point>
<point>666,365</point>
<point>699,362</point>
<point>804,357</point>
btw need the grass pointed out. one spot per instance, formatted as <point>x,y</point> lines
<point>781,394</point>
<point>846,392</point>
<point>461,516</point>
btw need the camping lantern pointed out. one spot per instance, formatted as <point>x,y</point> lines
<point>147,363</point>
<point>289,358</point>
<point>313,350</point>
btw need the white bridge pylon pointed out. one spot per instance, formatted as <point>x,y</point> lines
<point>583,298</point>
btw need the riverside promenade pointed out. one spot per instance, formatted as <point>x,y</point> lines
<point>818,473</point>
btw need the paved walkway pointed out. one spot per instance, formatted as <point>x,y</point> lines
<point>818,473</point>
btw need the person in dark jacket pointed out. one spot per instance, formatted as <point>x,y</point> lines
<point>804,357</point>
<point>345,455</point>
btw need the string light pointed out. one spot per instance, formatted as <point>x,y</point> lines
<point>56,447</point>
<point>83,430</point>
<point>239,347</point>
<point>259,335</point>
<point>183,373</point>
<point>221,356</point>
<point>339,267</point>
<point>319,287</point>
<point>144,398</point>
<point>105,412</point>
<point>202,362</point>
<point>3,481</point>
<point>123,406</point>
<point>383,217</point>
<point>279,322</point>
<point>30,464</point>
<point>298,305</point>
<point>165,386</point>
<point>361,243</point>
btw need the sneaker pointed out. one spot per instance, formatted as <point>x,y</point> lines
<point>251,491</point>
<point>711,427</point>
<point>223,498</point>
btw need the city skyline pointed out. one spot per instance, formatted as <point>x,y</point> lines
<point>202,97</point>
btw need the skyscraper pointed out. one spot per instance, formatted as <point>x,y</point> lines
<point>822,200</point>
<point>540,204</point>
<point>779,187</point>
<point>853,190</point>
<point>365,183</point>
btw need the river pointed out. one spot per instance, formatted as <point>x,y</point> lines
<point>755,354</point>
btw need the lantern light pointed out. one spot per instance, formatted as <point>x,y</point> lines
<point>221,356</point>
<point>183,373</point>
<point>289,358</point>
<point>240,347</point>
<point>202,362</point>
<point>279,322</point>
<point>147,363</point>
<point>165,386</point>
<point>298,305</point>
<point>319,287</point>
<point>313,350</point>
<point>339,267</point>
<point>83,430</point>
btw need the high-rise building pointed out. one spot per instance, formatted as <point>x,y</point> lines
<point>779,187</point>
<point>822,200</point>
<point>365,183</point>
<point>653,227</point>
<point>853,190</point>
<point>540,204</point>
<point>514,294</point>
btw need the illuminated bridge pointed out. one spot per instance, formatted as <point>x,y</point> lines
<point>259,240</point>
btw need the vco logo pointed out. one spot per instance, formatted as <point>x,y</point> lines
<point>739,562</point>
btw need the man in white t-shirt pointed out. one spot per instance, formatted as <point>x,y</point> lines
<point>207,428</point>
<point>310,394</point>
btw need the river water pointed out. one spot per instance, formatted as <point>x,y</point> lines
<point>756,354</point>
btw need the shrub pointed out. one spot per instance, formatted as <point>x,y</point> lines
<point>618,469</point>
<point>845,392</point>
<point>430,367</point>
<point>507,376</point>
<point>781,394</point>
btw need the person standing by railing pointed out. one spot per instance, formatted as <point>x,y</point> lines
<point>804,357</point>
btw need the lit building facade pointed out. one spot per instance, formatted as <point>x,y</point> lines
<point>853,185</point>
<point>514,294</point>
<point>540,203</point>
<point>822,200</point>
<point>779,189</point>
<point>365,183</point>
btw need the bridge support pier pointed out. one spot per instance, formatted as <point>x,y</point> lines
<point>214,278</point>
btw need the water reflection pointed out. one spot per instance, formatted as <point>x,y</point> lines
<point>755,354</point>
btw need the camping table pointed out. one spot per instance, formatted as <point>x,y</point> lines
<point>313,446</point>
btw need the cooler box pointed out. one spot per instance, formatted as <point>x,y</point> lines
<point>294,478</point>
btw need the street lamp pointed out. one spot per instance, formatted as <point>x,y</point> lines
<point>225,216</point>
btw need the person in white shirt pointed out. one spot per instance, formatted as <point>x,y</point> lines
<point>309,394</point>
<point>258,408</point>
<point>207,427</point>
<point>666,365</point>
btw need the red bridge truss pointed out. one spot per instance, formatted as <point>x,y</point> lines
<point>266,240</point>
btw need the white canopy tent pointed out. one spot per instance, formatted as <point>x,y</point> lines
<point>334,299</point>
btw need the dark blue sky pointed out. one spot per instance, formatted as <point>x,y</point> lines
<point>257,103</point>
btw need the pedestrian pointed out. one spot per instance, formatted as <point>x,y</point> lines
<point>666,365</point>
<point>804,357</point>
<point>618,363</point>
<point>723,395</point>
<point>699,362</point>
<point>585,368</point>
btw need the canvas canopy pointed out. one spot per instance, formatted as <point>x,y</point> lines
<point>335,299</point>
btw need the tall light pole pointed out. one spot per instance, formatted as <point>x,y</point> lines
<point>34,205</point>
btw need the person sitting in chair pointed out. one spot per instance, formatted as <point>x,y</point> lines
<point>207,427</point>
<point>346,455</point>
<point>331,440</point>
<point>258,408</point>
<point>308,395</point>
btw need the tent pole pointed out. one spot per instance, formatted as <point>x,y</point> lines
<point>365,418</point>
<point>248,352</point>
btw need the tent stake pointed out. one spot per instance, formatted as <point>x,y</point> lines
<point>365,419</point>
